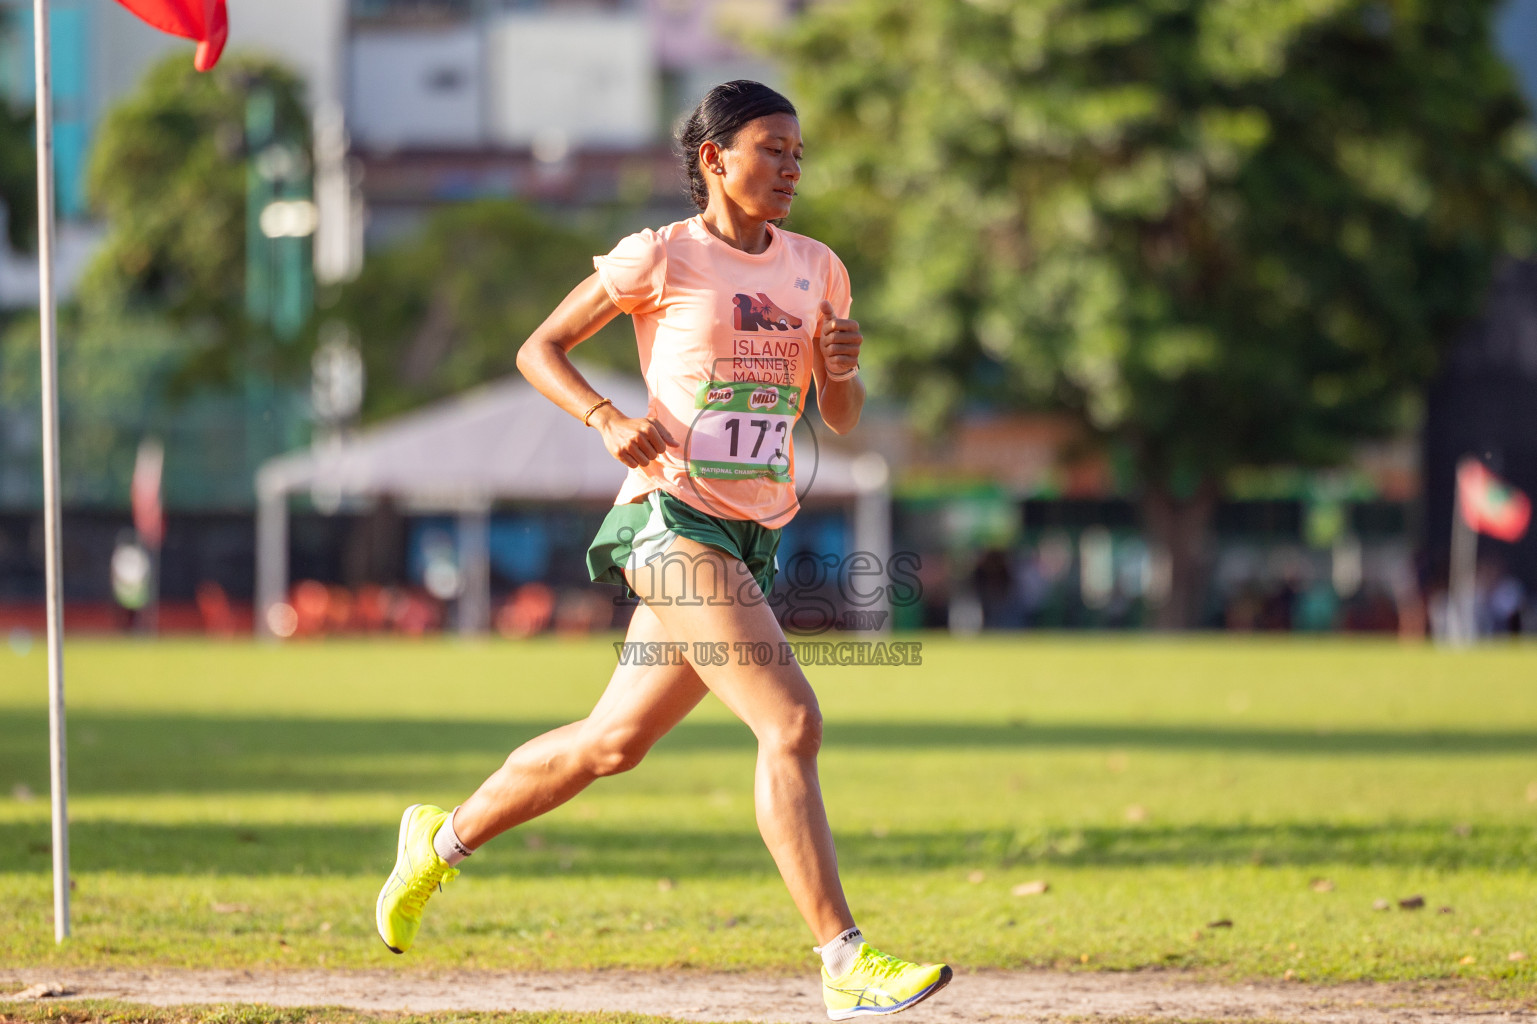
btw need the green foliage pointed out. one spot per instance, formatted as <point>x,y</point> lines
<point>18,177</point>
<point>118,378</point>
<point>111,374</point>
<point>446,308</point>
<point>158,327</point>
<point>1229,232</point>
<point>168,174</point>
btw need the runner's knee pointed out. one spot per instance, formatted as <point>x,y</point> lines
<point>613,751</point>
<point>798,734</point>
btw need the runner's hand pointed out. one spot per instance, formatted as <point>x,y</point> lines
<point>839,340</point>
<point>634,442</point>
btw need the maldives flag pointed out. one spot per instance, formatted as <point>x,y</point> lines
<point>144,494</point>
<point>202,20</point>
<point>1489,504</point>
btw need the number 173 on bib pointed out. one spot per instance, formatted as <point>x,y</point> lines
<point>742,431</point>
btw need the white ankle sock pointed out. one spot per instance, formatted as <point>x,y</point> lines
<point>447,841</point>
<point>839,954</point>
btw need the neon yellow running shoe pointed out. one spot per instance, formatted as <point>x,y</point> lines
<point>878,983</point>
<point>419,872</point>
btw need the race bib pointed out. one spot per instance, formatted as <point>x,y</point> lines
<point>742,430</point>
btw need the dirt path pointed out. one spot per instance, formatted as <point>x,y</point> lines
<point>972,997</point>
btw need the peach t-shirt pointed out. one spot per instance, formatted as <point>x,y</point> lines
<point>727,347</point>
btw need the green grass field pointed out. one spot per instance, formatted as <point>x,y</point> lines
<point>236,805</point>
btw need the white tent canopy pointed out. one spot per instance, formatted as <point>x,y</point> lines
<point>505,441</point>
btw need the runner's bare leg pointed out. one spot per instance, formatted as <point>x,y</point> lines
<point>776,702</point>
<point>639,707</point>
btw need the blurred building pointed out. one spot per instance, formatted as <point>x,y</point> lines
<point>565,104</point>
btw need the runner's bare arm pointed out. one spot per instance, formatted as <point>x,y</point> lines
<point>837,352</point>
<point>543,360</point>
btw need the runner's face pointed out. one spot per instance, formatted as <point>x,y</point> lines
<point>763,166</point>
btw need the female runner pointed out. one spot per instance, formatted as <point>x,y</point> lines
<point>735,318</point>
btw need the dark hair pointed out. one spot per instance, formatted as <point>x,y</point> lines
<point>719,116</point>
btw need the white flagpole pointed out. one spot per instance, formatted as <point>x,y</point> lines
<point>1462,575</point>
<point>51,515</point>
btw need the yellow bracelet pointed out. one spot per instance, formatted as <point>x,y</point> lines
<point>588,415</point>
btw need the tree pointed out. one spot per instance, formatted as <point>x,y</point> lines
<point>169,175</point>
<point>1225,233</point>
<point>107,368</point>
<point>447,308</point>
<point>161,309</point>
<point>18,177</point>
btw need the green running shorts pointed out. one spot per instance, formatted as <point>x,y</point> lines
<point>633,534</point>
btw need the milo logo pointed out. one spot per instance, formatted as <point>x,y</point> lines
<point>763,398</point>
<point>719,395</point>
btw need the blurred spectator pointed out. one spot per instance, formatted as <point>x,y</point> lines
<point>415,614</point>
<point>1413,617</point>
<point>1122,610</point>
<point>1241,613</point>
<point>1373,610</point>
<point>1317,608</point>
<point>213,605</point>
<point>1506,599</point>
<point>339,611</point>
<point>992,580</point>
<point>582,611</point>
<point>529,611</point>
<point>312,603</point>
<point>934,581</point>
<point>1280,604</point>
<point>1031,588</point>
<point>371,608</point>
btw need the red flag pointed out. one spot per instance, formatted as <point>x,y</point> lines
<point>1490,505</point>
<point>203,20</point>
<point>144,494</point>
